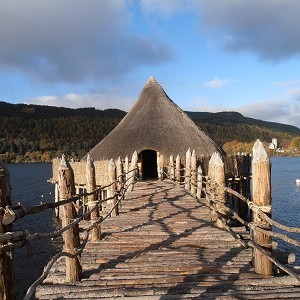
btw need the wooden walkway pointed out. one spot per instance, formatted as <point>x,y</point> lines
<point>164,246</point>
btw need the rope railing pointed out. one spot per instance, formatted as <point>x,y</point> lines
<point>228,198</point>
<point>117,188</point>
<point>86,233</point>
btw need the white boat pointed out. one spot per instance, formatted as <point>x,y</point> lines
<point>297,181</point>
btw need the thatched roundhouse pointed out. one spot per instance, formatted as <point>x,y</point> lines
<point>154,124</point>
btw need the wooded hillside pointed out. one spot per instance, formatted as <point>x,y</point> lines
<point>38,133</point>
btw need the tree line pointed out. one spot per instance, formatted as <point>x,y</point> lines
<point>30,133</point>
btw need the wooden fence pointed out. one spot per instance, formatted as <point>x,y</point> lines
<point>226,187</point>
<point>73,209</point>
<point>225,184</point>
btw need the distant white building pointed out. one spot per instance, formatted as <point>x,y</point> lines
<point>273,145</point>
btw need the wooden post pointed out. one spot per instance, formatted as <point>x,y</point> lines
<point>261,187</point>
<point>131,174</point>
<point>68,213</point>
<point>90,187</point>
<point>217,176</point>
<point>199,182</point>
<point>119,173</point>
<point>56,199</point>
<point>126,169</point>
<point>112,188</point>
<point>193,173</point>
<point>177,172</point>
<point>160,166</point>
<point>171,168</point>
<point>7,276</point>
<point>187,175</point>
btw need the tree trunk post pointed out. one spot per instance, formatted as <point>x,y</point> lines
<point>160,166</point>
<point>126,169</point>
<point>194,174</point>
<point>7,275</point>
<point>217,176</point>
<point>91,186</point>
<point>171,168</point>
<point>119,173</point>
<point>131,174</point>
<point>56,199</point>
<point>177,172</point>
<point>187,175</point>
<point>112,175</point>
<point>261,187</point>
<point>199,182</point>
<point>68,213</point>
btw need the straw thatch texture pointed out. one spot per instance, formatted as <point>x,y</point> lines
<point>154,122</point>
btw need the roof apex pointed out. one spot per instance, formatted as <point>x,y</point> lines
<point>151,80</point>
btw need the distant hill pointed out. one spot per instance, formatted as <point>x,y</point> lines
<point>44,111</point>
<point>38,132</point>
<point>231,117</point>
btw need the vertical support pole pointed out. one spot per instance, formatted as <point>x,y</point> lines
<point>126,169</point>
<point>131,174</point>
<point>91,186</point>
<point>261,187</point>
<point>171,168</point>
<point>193,173</point>
<point>56,199</point>
<point>112,188</point>
<point>68,213</point>
<point>119,166</point>
<point>7,276</point>
<point>160,166</point>
<point>187,175</point>
<point>217,176</point>
<point>199,182</point>
<point>177,172</point>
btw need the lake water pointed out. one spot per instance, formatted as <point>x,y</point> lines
<point>30,187</point>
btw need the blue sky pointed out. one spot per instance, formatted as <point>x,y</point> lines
<point>240,55</point>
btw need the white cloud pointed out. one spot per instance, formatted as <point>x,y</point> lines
<point>73,40</point>
<point>267,28</point>
<point>166,8</point>
<point>72,100</point>
<point>294,94</point>
<point>215,83</point>
<point>287,83</point>
<point>286,111</point>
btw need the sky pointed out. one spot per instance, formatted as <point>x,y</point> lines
<point>233,55</point>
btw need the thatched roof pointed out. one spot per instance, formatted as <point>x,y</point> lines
<point>155,122</point>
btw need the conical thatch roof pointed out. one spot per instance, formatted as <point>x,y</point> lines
<point>155,122</point>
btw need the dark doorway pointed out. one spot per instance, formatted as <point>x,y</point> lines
<point>149,164</point>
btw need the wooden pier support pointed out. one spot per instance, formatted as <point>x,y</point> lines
<point>67,215</point>
<point>261,187</point>
<point>194,174</point>
<point>187,175</point>
<point>92,199</point>
<point>177,171</point>
<point>7,278</point>
<point>216,173</point>
<point>132,173</point>
<point>126,167</point>
<point>160,166</point>
<point>119,166</point>
<point>199,182</point>
<point>171,168</point>
<point>112,175</point>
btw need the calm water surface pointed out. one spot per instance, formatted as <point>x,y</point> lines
<point>30,187</point>
<point>286,196</point>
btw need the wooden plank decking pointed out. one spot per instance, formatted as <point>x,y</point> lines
<point>164,246</point>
